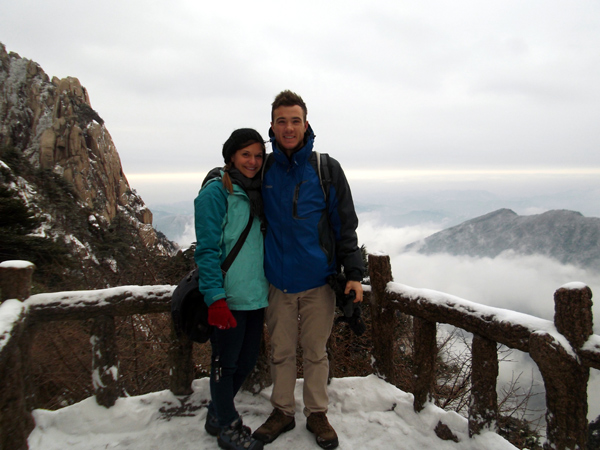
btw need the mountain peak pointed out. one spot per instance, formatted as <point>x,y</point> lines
<point>564,235</point>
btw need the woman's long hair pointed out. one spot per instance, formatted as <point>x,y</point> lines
<point>226,180</point>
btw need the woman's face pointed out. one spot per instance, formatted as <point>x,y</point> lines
<point>248,160</point>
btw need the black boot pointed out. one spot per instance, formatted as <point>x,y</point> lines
<point>237,437</point>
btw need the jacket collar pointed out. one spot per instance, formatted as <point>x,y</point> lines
<point>299,156</point>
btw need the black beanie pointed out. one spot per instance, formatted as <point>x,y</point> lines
<point>240,139</point>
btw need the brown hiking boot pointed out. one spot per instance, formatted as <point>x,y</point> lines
<point>318,424</point>
<point>276,424</point>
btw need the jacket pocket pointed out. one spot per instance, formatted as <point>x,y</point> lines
<point>295,204</point>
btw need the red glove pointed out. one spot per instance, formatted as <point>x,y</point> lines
<point>220,316</point>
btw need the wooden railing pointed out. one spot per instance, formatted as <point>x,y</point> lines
<point>102,306</point>
<point>564,350</point>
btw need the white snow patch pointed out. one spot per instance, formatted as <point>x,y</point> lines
<point>574,285</point>
<point>366,412</point>
<point>10,312</point>
<point>16,264</point>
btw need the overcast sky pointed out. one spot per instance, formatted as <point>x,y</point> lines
<point>477,89</point>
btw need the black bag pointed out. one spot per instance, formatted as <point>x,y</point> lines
<point>189,311</point>
<point>188,308</point>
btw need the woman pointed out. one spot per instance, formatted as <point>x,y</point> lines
<point>236,302</point>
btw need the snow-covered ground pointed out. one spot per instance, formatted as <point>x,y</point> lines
<point>367,413</point>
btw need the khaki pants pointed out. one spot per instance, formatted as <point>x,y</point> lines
<point>314,310</point>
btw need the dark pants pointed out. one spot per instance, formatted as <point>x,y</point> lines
<point>237,349</point>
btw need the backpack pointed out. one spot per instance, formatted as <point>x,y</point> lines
<point>189,310</point>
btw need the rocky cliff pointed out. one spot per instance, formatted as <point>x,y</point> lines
<point>51,124</point>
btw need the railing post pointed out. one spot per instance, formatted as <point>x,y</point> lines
<point>16,421</point>
<point>182,364</point>
<point>105,364</point>
<point>425,353</point>
<point>565,379</point>
<point>483,410</point>
<point>573,313</point>
<point>15,279</point>
<point>383,318</point>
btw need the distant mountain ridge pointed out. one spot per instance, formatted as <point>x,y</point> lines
<point>566,236</point>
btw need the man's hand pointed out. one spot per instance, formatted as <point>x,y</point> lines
<point>355,286</point>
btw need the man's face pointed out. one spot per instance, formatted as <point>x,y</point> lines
<point>289,127</point>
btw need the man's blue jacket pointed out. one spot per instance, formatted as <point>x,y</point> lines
<point>305,242</point>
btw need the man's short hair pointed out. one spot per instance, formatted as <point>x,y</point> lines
<point>288,98</point>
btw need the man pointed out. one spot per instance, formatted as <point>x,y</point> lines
<point>308,237</point>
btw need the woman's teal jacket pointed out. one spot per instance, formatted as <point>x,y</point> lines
<point>220,218</point>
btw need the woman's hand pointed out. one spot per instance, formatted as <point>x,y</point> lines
<point>220,316</point>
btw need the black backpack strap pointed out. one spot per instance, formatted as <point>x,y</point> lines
<point>322,160</point>
<point>237,247</point>
<point>266,162</point>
